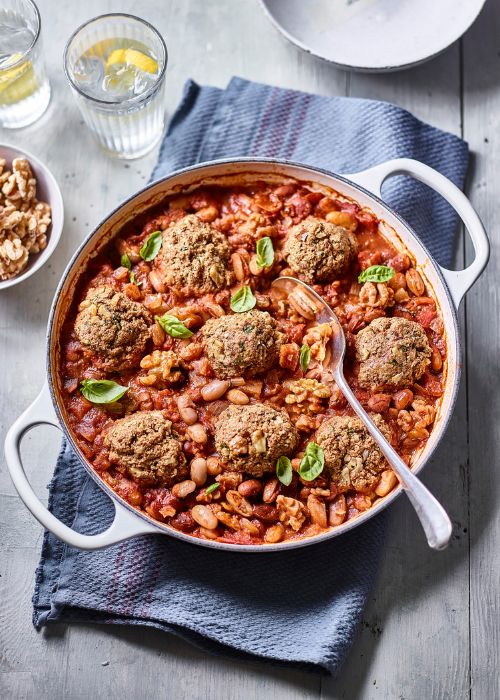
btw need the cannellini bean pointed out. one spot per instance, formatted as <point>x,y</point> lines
<point>250,487</point>
<point>198,470</point>
<point>274,534</point>
<point>158,335</point>
<point>209,534</point>
<point>402,398</point>
<point>398,281</point>
<point>214,390</point>
<point>186,410</point>
<point>271,491</point>
<point>197,433</point>
<point>208,214</point>
<point>183,488</point>
<point>239,267</point>
<point>387,482</point>
<point>317,510</point>
<point>342,218</point>
<point>436,360</point>
<point>379,402</point>
<point>337,510</point>
<point>237,397</point>
<point>204,517</point>
<point>214,467</point>
<point>415,282</point>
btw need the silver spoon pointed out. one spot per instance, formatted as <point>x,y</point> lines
<point>434,519</point>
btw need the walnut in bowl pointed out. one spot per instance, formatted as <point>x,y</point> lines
<point>31,215</point>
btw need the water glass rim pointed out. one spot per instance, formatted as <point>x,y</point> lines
<point>30,48</point>
<point>131,100</point>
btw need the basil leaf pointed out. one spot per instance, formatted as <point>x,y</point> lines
<point>173,326</point>
<point>284,470</point>
<point>265,252</point>
<point>305,357</point>
<point>377,273</point>
<point>125,261</point>
<point>212,487</point>
<point>102,390</point>
<point>312,462</point>
<point>151,247</point>
<point>243,300</point>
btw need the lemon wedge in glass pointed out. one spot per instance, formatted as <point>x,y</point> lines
<point>132,57</point>
<point>18,82</point>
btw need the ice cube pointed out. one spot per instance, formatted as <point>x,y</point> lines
<point>13,40</point>
<point>88,71</point>
<point>119,81</point>
<point>143,81</point>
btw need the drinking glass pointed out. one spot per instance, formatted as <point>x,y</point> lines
<point>116,66</point>
<point>24,87</point>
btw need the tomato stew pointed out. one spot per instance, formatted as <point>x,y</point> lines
<point>211,498</point>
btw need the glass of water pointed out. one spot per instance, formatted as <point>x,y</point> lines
<point>116,67</point>
<point>24,87</point>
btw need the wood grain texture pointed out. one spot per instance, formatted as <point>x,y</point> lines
<point>481,112</point>
<point>432,627</point>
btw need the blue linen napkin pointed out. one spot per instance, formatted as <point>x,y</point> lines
<point>299,608</point>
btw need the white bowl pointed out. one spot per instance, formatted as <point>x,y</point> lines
<point>373,35</point>
<point>47,190</point>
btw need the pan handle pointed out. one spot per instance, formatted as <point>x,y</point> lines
<point>458,281</point>
<point>125,523</point>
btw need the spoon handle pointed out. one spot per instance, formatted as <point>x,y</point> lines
<point>434,519</point>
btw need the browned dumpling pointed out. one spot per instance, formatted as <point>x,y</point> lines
<point>251,438</point>
<point>144,446</point>
<point>391,351</point>
<point>113,329</point>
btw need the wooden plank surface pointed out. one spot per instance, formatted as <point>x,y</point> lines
<point>481,112</point>
<point>420,638</point>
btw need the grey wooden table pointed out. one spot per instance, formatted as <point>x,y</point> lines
<point>432,627</point>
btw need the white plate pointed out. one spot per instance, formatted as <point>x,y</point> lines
<point>47,190</point>
<point>373,35</point>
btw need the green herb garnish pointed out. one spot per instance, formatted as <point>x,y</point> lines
<point>151,247</point>
<point>265,252</point>
<point>173,326</point>
<point>102,390</point>
<point>312,462</point>
<point>305,357</point>
<point>125,261</point>
<point>243,300</point>
<point>377,273</point>
<point>284,470</point>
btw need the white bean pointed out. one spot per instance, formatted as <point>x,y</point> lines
<point>198,469</point>
<point>204,517</point>
<point>186,410</point>
<point>237,397</point>
<point>214,390</point>
<point>214,467</point>
<point>183,488</point>
<point>197,433</point>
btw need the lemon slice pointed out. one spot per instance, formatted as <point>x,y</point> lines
<point>132,57</point>
<point>17,83</point>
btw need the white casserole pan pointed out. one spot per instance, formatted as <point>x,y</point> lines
<point>447,286</point>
